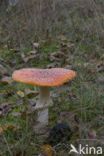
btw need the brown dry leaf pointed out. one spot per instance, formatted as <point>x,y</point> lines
<point>6,80</point>
<point>100,67</point>
<point>47,150</point>
<point>8,127</point>
<point>57,56</point>
<point>63,56</point>
<point>31,93</point>
<point>70,45</point>
<point>11,127</point>
<point>31,55</point>
<point>36,45</point>
<point>24,58</point>
<point>34,54</point>
<point>20,93</point>
<point>62,38</point>
<point>64,48</point>
<point>5,108</point>
<point>66,45</point>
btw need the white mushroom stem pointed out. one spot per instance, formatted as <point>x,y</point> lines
<point>42,105</point>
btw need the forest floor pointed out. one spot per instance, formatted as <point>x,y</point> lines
<point>79,103</point>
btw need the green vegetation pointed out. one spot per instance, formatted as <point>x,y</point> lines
<point>81,46</point>
<point>84,97</point>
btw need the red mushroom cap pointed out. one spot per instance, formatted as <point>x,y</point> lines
<point>43,77</point>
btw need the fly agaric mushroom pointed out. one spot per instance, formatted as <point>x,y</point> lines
<point>44,78</point>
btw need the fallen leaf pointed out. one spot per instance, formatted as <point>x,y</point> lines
<point>5,108</point>
<point>47,150</point>
<point>100,67</point>
<point>31,93</point>
<point>62,38</point>
<point>57,56</point>
<point>36,45</point>
<point>31,55</point>
<point>6,127</point>
<point>6,80</point>
<point>20,93</point>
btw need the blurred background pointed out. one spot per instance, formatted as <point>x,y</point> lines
<point>22,22</point>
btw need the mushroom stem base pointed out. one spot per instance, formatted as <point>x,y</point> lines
<point>42,109</point>
<point>43,116</point>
